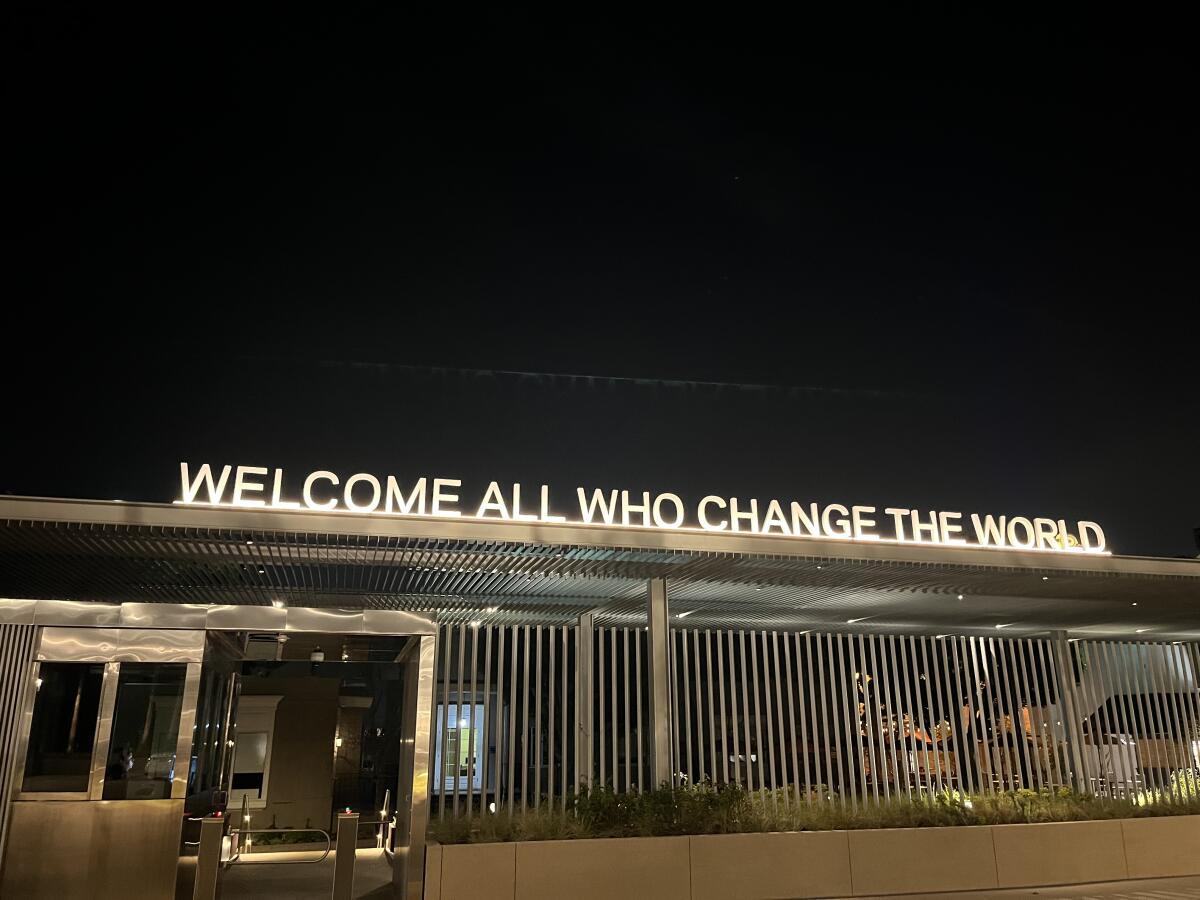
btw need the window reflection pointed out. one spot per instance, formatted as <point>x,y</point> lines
<point>63,730</point>
<point>145,732</point>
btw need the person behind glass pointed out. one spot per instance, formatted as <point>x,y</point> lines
<point>119,764</point>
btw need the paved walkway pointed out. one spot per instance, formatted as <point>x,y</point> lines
<point>301,881</point>
<point>1157,889</point>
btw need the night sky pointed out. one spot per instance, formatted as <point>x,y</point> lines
<point>946,265</point>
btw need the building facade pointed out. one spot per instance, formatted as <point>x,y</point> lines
<point>282,663</point>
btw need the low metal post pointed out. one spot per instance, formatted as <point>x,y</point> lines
<point>208,858</point>
<point>343,860</point>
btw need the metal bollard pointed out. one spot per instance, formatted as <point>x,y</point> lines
<point>343,860</point>
<point>208,858</point>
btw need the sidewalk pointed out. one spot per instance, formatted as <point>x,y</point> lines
<point>1186,888</point>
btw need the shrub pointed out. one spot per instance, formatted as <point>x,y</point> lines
<point>725,809</point>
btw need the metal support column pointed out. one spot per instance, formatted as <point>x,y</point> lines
<point>583,702</point>
<point>412,798</point>
<point>659,662</point>
<point>208,858</point>
<point>1069,709</point>
<point>344,856</point>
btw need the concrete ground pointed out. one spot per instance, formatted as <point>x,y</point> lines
<point>1187,888</point>
<point>301,881</point>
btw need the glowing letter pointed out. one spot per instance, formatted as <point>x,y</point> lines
<point>588,510</point>
<point>403,506</point>
<point>775,519</point>
<point>947,529</point>
<point>277,490</point>
<point>987,532</point>
<point>1046,532</point>
<point>517,514</point>
<point>843,529</point>
<point>704,523</point>
<point>376,490</point>
<point>898,514</point>
<point>240,484</point>
<point>918,526</point>
<point>308,483</point>
<point>810,520</point>
<point>859,523</point>
<point>439,498</point>
<point>751,516</point>
<point>1012,532</point>
<point>192,488</point>
<point>674,500</point>
<point>1085,539</point>
<point>492,500</point>
<point>547,516</point>
<point>643,508</point>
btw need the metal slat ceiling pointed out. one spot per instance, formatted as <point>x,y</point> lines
<point>460,580</point>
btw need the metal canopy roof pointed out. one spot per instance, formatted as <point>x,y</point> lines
<point>469,570</point>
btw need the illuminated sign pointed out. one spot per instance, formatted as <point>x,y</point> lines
<point>365,493</point>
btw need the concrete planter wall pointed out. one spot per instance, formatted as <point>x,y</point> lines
<point>817,863</point>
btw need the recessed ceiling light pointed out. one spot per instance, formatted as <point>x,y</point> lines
<point>1134,603</point>
<point>960,596</point>
<point>852,621</point>
<point>1141,630</point>
<point>685,614</point>
<point>1045,578</point>
<point>818,568</point>
<point>1004,625</point>
<point>249,543</point>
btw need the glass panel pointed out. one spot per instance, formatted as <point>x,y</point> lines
<point>462,744</point>
<point>63,730</point>
<point>141,752</point>
<point>250,764</point>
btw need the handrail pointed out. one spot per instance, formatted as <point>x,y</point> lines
<point>281,862</point>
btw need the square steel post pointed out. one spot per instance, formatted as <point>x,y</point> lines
<point>344,856</point>
<point>659,666</point>
<point>583,702</point>
<point>1069,708</point>
<point>412,798</point>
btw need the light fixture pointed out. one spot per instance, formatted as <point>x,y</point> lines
<point>278,604</point>
<point>1045,578</point>
<point>492,609</point>
<point>1134,603</point>
<point>1141,630</point>
<point>249,543</point>
<point>1004,625</point>
<point>684,615</point>
<point>852,621</point>
<point>960,596</point>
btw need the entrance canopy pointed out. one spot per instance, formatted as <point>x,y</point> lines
<point>468,570</point>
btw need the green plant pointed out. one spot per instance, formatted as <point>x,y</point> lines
<point>724,809</point>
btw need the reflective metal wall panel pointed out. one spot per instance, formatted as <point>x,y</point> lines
<point>116,848</point>
<point>79,644</point>
<point>16,659</point>
<point>163,615</point>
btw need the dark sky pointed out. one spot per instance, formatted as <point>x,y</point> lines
<point>963,253</point>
